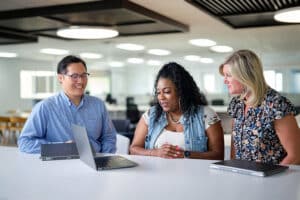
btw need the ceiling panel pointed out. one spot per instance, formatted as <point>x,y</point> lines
<point>245,13</point>
<point>12,37</point>
<point>44,19</point>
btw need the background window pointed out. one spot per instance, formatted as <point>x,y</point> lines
<point>209,83</point>
<point>273,79</point>
<point>37,84</point>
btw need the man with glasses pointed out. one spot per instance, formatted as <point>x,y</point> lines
<point>51,119</point>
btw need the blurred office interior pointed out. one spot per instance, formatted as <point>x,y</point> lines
<point>28,72</point>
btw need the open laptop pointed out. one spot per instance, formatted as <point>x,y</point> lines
<point>86,153</point>
<point>248,167</point>
<point>59,151</point>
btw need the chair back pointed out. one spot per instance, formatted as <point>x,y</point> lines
<point>4,122</point>
<point>17,123</point>
<point>4,129</point>
<point>133,113</point>
<point>121,125</point>
<point>122,144</point>
<point>217,102</point>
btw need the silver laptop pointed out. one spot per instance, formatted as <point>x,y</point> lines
<point>249,167</point>
<point>87,154</point>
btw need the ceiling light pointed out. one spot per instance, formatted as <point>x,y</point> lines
<point>135,60</point>
<point>290,15</point>
<point>221,49</point>
<point>153,62</point>
<point>206,60</point>
<point>130,47</point>
<point>159,52</point>
<point>86,32</point>
<point>54,51</point>
<point>202,42</point>
<point>91,55</point>
<point>192,58</point>
<point>8,55</point>
<point>116,64</point>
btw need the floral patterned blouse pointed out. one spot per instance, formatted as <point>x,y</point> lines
<point>254,135</point>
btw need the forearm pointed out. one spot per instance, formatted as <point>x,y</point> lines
<point>291,160</point>
<point>137,150</point>
<point>108,138</point>
<point>108,143</point>
<point>30,144</point>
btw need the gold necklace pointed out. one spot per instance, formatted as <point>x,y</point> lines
<point>173,120</point>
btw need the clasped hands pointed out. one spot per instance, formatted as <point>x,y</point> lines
<point>169,151</point>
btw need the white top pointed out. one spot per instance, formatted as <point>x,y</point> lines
<point>170,137</point>
<point>25,176</point>
<point>210,117</point>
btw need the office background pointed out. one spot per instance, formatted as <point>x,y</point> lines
<point>277,45</point>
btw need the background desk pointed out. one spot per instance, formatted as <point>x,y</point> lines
<point>24,176</point>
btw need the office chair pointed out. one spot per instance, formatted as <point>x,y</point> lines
<point>133,113</point>
<point>123,127</point>
<point>217,102</point>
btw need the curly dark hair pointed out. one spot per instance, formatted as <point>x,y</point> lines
<point>185,86</point>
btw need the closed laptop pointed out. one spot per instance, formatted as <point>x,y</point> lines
<point>59,151</point>
<point>249,167</point>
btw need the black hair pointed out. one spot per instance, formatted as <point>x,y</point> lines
<point>185,86</point>
<point>63,64</point>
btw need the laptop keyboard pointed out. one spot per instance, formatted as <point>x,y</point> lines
<point>111,162</point>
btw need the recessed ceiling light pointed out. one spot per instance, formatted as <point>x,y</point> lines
<point>8,55</point>
<point>54,51</point>
<point>135,60</point>
<point>86,32</point>
<point>202,42</point>
<point>221,49</point>
<point>130,47</point>
<point>192,58</point>
<point>159,52</point>
<point>206,60</point>
<point>153,62</point>
<point>290,15</point>
<point>91,55</point>
<point>116,64</point>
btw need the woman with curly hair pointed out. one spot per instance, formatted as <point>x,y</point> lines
<point>180,124</point>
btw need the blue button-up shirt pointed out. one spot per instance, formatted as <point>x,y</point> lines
<point>51,119</point>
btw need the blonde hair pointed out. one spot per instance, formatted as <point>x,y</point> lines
<point>246,67</point>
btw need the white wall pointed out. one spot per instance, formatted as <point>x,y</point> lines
<point>10,83</point>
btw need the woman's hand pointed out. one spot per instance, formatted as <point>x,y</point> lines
<point>168,151</point>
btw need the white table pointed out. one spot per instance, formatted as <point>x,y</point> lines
<point>24,176</point>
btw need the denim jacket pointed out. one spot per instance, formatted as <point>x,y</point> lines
<point>194,130</point>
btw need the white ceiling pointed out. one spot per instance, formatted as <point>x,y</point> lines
<point>278,46</point>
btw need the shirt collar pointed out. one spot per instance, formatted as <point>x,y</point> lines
<point>69,102</point>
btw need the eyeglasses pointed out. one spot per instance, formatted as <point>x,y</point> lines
<point>76,76</point>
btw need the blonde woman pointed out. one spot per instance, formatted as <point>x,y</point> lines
<point>264,126</point>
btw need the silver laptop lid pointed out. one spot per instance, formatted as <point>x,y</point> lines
<point>83,145</point>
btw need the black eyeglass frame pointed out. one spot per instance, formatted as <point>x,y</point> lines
<point>76,76</point>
